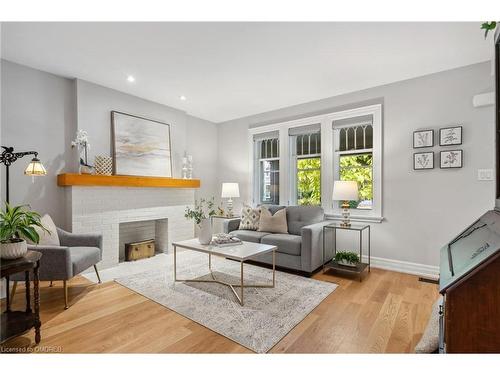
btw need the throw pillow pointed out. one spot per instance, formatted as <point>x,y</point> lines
<point>250,218</point>
<point>273,223</point>
<point>47,239</point>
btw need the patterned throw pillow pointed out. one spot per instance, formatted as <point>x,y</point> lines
<point>250,218</point>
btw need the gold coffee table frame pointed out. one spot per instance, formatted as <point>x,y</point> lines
<point>241,285</point>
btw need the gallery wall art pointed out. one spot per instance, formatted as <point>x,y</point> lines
<point>450,136</point>
<point>423,160</point>
<point>423,138</point>
<point>141,147</point>
<point>451,159</point>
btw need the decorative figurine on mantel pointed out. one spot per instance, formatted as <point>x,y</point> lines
<point>82,142</point>
<point>187,166</point>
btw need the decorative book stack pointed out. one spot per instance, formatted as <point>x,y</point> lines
<point>222,240</point>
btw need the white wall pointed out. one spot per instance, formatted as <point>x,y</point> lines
<point>37,115</point>
<point>202,144</point>
<point>189,134</point>
<point>422,209</point>
<point>42,111</point>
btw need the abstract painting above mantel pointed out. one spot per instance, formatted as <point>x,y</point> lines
<point>141,147</point>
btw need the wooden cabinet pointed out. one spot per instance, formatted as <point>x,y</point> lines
<point>470,284</point>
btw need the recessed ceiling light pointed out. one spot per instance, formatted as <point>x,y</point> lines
<point>183,98</point>
<point>131,79</point>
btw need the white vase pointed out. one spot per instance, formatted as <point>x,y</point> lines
<point>205,234</point>
<point>13,250</point>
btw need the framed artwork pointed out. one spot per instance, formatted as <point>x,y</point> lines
<point>450,136</point>
<point>451,159</point>
<point>423,138</point>
<point>141,147</point>
<point>423,160</point>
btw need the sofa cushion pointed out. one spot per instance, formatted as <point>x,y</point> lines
<point>287,243</point>
<point>249,235</point>
<point>83,257</point>
<point>250,218</point>
<point>273,223</point>
<point>273,208</point>
<point>300,216</point>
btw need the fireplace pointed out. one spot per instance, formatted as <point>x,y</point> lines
<point>113,210</point>
<point>140,231</point>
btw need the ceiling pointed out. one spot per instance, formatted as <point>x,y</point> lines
<point>232,70</point>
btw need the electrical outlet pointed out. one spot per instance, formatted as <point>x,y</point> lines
<point>485,174</point>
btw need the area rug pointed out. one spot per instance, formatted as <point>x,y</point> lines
<point>267,315</point>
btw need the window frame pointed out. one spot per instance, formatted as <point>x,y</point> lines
<point>328,162</point>
<point>256,199</point>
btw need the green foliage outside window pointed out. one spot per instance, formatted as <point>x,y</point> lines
<point>358,168</point>
<point>309,181</point>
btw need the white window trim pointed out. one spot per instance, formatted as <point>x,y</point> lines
<point>327,159</point>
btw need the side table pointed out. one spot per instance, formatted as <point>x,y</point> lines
<point>332,264</point>
<point>15,323</point>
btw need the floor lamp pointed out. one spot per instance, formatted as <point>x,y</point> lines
<point>34,168</point>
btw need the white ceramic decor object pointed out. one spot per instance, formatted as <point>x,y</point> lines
<point>13,250</point>
<point>205,235</point>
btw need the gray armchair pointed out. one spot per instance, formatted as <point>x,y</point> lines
<point>77,253</point>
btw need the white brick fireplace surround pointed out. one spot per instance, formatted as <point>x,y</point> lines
<point>102,209</point>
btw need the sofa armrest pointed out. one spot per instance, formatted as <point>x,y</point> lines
<point>312,246</point>
<point>55,263</point>
<point>72,239</point>
<point>231,224</point>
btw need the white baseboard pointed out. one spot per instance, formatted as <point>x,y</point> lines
<point>418,269</point>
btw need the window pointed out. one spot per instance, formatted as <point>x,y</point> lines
<point>355,161</point>
<point>313,152</point>
<point>306,153</point>
<point>269,170</point>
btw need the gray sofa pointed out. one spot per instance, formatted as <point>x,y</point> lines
<point>301,248</point>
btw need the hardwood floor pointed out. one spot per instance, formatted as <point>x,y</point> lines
<point>387,312</point>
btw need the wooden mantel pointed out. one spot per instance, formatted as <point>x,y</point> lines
<point>74,179</point>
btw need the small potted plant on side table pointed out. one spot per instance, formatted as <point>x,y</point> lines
<point>17,224</point>
<point>347,258</point>
<point>203,210</point>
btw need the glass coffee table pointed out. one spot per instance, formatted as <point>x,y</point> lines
<point>240,253</point>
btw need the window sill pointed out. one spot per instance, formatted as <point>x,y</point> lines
<point>357,218</point>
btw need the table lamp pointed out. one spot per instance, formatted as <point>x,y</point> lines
<point>230,190</point>
<point>345,191</point>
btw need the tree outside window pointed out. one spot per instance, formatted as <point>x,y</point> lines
<point>359,168</point>
<point>309,181</point>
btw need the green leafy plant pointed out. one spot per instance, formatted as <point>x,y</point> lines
<point>487,27</point>
<point>203,209</point>
<point>358,168</point>
<point>347,256</point>
<point>19,223</point>
<point>309,181</point>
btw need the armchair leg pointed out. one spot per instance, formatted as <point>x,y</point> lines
<point>65,283</point>
<point>50,285</point>
<point>12,293</point>
<point>97,273</point>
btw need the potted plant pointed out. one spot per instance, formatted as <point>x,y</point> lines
<point>347,258</point>
<point>17,224</point>
<point>201,214</point>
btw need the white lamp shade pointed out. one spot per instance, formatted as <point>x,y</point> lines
<point>345,191</point>
<point>35,168</point>
<point>230,190</point>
